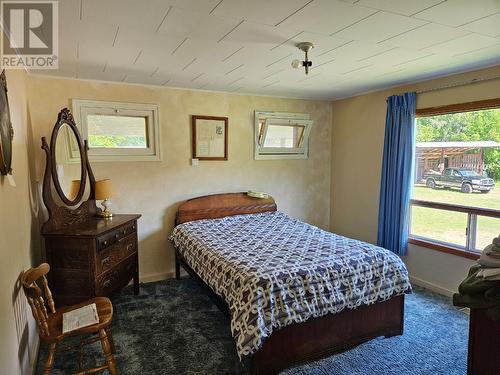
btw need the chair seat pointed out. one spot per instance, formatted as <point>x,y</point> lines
<point>104,311</point>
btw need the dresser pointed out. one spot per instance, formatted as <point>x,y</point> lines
<point>95,257</point>
<point>484,344</point>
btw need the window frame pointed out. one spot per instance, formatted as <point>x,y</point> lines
<point>281,119</point>
<point>468,251</point>
<point>83,108</point>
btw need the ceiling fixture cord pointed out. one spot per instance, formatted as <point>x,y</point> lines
<point>472,81</point>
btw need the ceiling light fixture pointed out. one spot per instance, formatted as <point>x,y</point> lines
<point>305,47</point>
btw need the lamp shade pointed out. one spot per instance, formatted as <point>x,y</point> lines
<point>104,190</point>
<point>74,189</point>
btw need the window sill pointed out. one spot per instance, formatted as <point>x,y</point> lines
<point>444,248</point>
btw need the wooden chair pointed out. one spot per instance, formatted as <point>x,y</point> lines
<point>49,323</point>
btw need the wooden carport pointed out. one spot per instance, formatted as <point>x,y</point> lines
<point>435,156</point>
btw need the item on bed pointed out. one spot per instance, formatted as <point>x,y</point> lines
<point>257,194</point>
<point>273,271</point>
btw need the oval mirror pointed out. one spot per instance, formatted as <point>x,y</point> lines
<point>6,131</point>
<point>68,166</point>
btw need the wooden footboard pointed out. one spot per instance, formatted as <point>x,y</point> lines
<point>318,337</point>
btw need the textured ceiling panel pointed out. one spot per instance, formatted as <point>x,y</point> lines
<point>259,11</point>
<point>426,36</point>
<point>486,26</point>
<point>326,16</point>
<point>404,7</point>
<point>459,12</point>
<point>247,46</point>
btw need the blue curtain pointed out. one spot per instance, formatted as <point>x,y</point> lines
<point>397,173</point>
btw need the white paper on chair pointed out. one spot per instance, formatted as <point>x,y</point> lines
<point>81,317</point>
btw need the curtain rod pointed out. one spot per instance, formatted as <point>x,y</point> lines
<point>475,80</point>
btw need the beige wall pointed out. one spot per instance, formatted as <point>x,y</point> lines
<point>17,224</point>
<point>155,189</point>
<point>346,158</point>
<point>357,147</point>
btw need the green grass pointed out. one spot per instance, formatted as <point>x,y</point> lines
<point>450,226</point>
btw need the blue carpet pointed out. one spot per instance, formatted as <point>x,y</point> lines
<point>173,328</point>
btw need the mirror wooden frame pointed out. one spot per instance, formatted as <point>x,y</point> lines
<point>62,120</point>
<point>61,216</point>
<point>7,131</point>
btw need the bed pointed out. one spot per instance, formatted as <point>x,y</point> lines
<point>292,291</point>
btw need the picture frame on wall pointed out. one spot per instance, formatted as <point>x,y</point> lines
<point>6,129</point>
<point>209,137</point>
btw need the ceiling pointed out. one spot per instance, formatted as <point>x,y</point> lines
<point>247,46</point>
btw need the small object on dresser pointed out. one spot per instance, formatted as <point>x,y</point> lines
<point>82,317</point>
<point>103,191</point>
<point>257,194</point>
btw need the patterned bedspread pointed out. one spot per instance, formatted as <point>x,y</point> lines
<point>273,271</point>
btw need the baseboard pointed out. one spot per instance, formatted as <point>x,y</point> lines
<point>157,277</point>
<point>435,288</point>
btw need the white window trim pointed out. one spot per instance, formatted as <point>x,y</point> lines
<point>82,108</point>
<point>282,118</point>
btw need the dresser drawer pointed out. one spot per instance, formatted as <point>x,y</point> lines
<point>113,237</point>
<point>114,254</point>
<point>66,281</point>
<point>117,277</point>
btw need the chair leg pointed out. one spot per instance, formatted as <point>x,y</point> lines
<point>111,340</point>
<point>50,359</point>
<point>106,348</point>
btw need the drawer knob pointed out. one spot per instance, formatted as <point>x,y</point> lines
<point>105,261</point>
<point>105,243</point>
<point>133,227</point>
<point>117,235</point>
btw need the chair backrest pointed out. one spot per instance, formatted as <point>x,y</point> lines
<point>30,281</point>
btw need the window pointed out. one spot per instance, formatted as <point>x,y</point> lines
<point>456,196</point>
<point>119,131</point>
<point>282,135</point>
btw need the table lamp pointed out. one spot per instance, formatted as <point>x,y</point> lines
<point>74,189</point>
<point>104,191</point>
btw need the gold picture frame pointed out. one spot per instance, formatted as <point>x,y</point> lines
<point>209,137</point>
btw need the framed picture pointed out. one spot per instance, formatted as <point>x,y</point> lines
<point>209,137</point>
<point>6,130</point>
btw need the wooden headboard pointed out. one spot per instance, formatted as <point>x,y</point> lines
<point>221,205</point>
